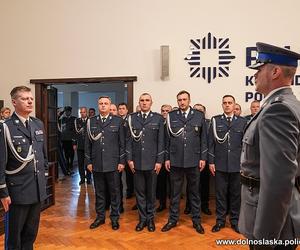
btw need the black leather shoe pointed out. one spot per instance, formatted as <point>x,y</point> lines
<point>217,227</point>
<point>160,208</point>
<point>134,207</point>
<point>199,228</point>
<point>187,210</point>
<point>81,182</point>
<point>235,227</point>
<point>140,226</point>
<point>121,209</point>
<point>115,225</point>
<point>168,226</point>
<point>151,226</point>
<point>97,223</point>
<point>206,211</point>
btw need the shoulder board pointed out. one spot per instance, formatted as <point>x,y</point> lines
<point>277,99</point>
<point>175,111</point>
<point>217,116</point>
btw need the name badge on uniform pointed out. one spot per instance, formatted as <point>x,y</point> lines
<point>19,149</point>
<point>39,132</point>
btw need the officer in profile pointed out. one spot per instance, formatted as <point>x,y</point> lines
<point>80,130</point>
<point>105,156</point>
<point>225,144</point>
<point>23,160</point>
<point>145,154</point>
<point>270,206</point>
<point>186,153</point>
<point>254,108</point>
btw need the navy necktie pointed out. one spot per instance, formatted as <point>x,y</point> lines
<point>229,121</point>
<point>144,117</point>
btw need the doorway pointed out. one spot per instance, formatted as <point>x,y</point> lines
<point>48,92</point>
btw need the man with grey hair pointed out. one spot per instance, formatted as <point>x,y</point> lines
<point>270,171</point>
<point>254,108</point>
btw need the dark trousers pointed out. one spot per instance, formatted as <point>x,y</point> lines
<point>203,189</point>
<point>177,178</point>
<point>163,180</point>
<point>121,189</point>
<point>69,154</point>
<point>145,187</point>
<point>83,172</point>
<point>21,226</point>
<point>129,180</point>
<point>228,186</point>
<point>113,181</point>
<point>61,159</point>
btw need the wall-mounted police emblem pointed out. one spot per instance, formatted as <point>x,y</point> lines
<point>214,45</point>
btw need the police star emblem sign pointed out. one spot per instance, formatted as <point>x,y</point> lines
<point>209,57</point>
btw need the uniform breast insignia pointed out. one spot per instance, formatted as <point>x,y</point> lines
<point>19,149</point>
<point>18,136</point>
<point>39,132</point>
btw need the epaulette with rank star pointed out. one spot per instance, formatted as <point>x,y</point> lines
<point>278,99</point>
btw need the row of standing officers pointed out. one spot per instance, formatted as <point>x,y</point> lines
<point>180,143</point>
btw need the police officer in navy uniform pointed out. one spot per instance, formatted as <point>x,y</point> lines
<point>66,125</point>
<point>145,154</point>
<point>225,144</point>
<point>80,130</point>
<point>105,155</point>
<point>23,160</point>
<point>270,207</point>
<point>186,153</point>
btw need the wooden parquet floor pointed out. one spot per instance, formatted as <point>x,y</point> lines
<point>66,226</point>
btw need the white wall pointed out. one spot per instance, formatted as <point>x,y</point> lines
<point>79,38</point>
